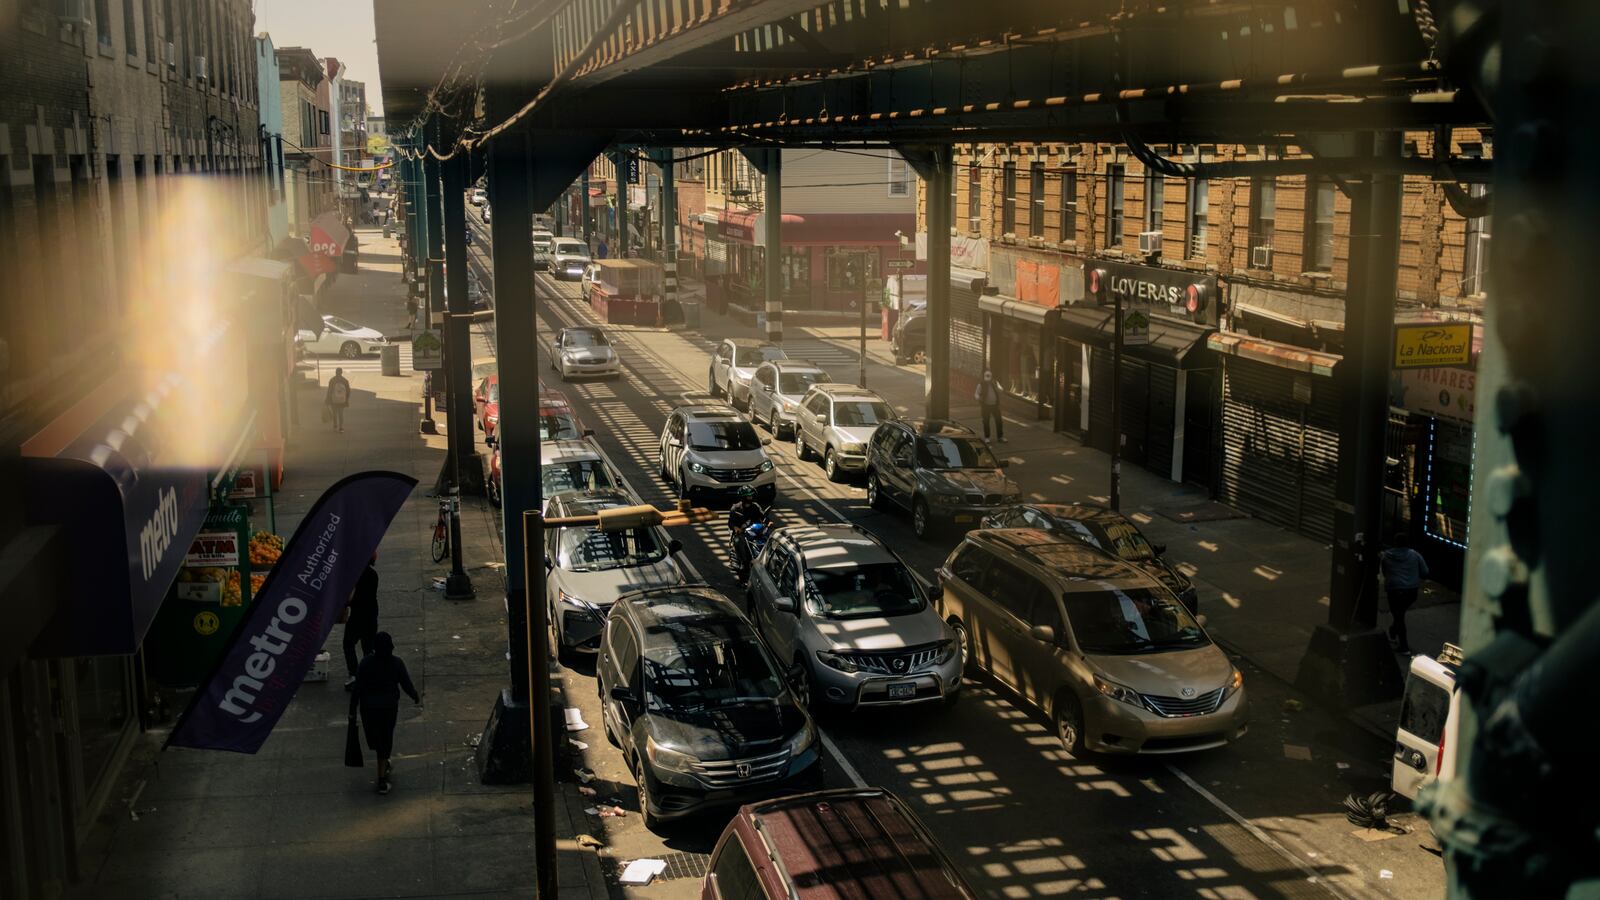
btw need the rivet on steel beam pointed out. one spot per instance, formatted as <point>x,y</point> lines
<point>1502,570</point>
<point>1505,486</point>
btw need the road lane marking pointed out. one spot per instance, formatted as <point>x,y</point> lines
<point>1312,875</point>
<point>838,757</point>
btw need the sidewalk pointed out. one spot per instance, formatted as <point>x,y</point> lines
<point>292,821</point>
<point>1263,589</point>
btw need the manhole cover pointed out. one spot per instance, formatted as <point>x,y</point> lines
<point>685,865</point>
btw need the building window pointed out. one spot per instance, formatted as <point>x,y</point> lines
<point>1263,214</point>
<point>851,269</point>
<point>130,28</point>
<point>1155,189</point>
<point>149,31</point>
<point>1069,205</point>
<point>1475,262</point>
<point>974,198</point>
<point>1036,199</point>
<point>102,21</point>
<point>899,177</point>
<point>1114,177</point>
<point>1199,203</point>
<point>1319,225</point>
<point>796,272</point>
<point>1008,199</point>
<point>322,121</point>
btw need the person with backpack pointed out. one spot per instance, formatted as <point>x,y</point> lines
<point>1403,571</point>
<point>338,398</point>
<point>379,680</point>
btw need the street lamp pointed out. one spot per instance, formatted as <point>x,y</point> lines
<point>535,613</point>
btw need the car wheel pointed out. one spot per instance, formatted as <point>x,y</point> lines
<point>558,647</point>
<point>801,452</point>
<point>493,490</point>
<point>683,486</point>
<point>711,380</point>
<point>964,644</point>
<point>1069,723</point>
<point>874,491</point>
<point>830,465</point>
<point>650,821</point>
<point>350,350</point>
<point>921,519</point>
<point>807,688</point>
<point>919,357</point>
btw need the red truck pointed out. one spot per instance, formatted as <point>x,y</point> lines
<point>625,291</point>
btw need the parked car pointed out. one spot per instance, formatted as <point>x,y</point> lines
<point>909,340</point>
<point>478,197</point>
<point>591,274</point>
<point>486,403</point>
<point>713,451</point>
<point>568,258</point>
<point>1429,712</point>
<point>940,471</point>
<point>343,337</point>
<point>543,243</point>
<point>853,618</point>
<point>583,350</point>
<point>1105,651</point>
<point>836,421</point>
<point>734,362</point>
<point>476,296</point>
<point>777,388</point>
<point>557,421</point>
<point>492,481</point>
<point>483,212</point>
<point>1104,530</point>
<point>588,569</point>
<point>574,465</point>
<point>848,842</point>
<point>704,715</point>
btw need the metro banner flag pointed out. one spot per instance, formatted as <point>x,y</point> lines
<point>279,638</point>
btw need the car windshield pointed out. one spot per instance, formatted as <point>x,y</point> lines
<point>1135,620</point>
<point>697,675</point>
<point>593,550</point>
<point>1120,538</point>
<point>799,382</point>
<point>557,427</point>
<point>574,248</point>
<point>723,436</point>
<point>858,413</point>
<point>341,324</point>
<point>494,392</point>
<point>575,475</point>
<point>875,589</point>
<point>582,337</point>
<point>755,356</point>
<point>954,453</point>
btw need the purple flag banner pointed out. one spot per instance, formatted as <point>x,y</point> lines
<point>237,707</point>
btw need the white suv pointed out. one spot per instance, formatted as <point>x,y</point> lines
<point>712,451</point>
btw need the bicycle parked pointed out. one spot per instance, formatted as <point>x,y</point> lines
<point>448,503</point>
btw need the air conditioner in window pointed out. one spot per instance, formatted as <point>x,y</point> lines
<point>172,55</point>
<point>75,12</point>
<point>1150,242</point>
<point>200,70</point>
<point>1261,257</point>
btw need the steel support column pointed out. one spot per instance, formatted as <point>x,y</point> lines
<point>433,317</point>
<point>586,210</point>
<point>1348,661</point>
<point>669,230</point>
<point>772,214</point>
<point>937,172</point>
<point>468,472</point>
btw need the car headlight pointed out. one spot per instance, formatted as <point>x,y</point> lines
<point>938,499</point>
<point>835,661</point>
<point>766,465</point>
<point>788,406</point>
<point>854,447</point>
<point>577,606</point>
<point>1116,691</point>
<point>803,739</point>
<point>667,758</point>
<point>1234,683</point>
<point>947,651</point>
<point>697,468</point>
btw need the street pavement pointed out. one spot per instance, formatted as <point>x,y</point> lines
<point>1022,818</point>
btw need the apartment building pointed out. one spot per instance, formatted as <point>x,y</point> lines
<point>1244,282</point>
<point>307,137</point>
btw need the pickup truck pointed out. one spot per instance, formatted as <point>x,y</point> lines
<point>543,243</point>
<point>568,258</point>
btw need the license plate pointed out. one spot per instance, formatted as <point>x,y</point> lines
<point>902,691</point>
<point>965,518</point>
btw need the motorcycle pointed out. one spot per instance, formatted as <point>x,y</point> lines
<point>745,545</point>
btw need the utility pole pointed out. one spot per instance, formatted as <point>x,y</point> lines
<point>1116,405</point>
<point>772,213</point>
<point>861,372</point>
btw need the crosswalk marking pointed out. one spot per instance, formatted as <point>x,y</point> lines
<point>328,362</point>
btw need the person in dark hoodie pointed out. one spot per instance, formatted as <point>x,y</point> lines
<point>379,680</point>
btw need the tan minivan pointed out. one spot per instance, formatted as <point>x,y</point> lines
<point>1108,653</point>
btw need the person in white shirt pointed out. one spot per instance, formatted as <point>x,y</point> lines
<point>987,393</point>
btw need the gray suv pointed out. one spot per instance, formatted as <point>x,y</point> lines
<point>939,470</point>
<point>852,618</point>
<point>777,389</point>
<point>835,421</point>
<point>712,451</point>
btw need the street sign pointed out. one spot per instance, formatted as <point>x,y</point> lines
<point>900,263</point>
<point>1432,344</point>
<point>427,351</point>
<point>1135,328</point>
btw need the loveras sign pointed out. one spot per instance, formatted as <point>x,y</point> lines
<point>1432,344</point>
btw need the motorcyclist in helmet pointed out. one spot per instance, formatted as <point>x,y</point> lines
<point>744,512</point>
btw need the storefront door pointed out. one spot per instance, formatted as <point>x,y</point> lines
<point>1069,386</point>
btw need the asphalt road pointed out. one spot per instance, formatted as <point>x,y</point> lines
<point>1020,816</point>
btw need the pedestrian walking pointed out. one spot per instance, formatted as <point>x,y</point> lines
<point>338,398</point>
<point>987,394</point>
<point>361,624</point>
<point>379,680</point>
<point>411,313</point>
<point>1403,571</point>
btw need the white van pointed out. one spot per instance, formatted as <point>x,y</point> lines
<point>1427,721</point>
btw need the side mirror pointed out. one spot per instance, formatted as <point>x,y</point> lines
<point>674,547</point>
<point>1160,549</point>
<point>784,604</point>
<point>623,694</point>
<point>1201,618</point>
<point>1044,634</point>
<point>490,441</point>
<point>766,442</point>
<point>549,564</point>
<point>588,432</point>
<point>674,442</point>
<point>796,674</point>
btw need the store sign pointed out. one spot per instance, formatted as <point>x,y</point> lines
<point>1445,393</point>
<point>213,548</point>
<point>1432,344</point>
<point>1170,292</point>
<point>1135,328</point>
<point>427,351</point>
<point>247,484</point>
<point>280,635</point>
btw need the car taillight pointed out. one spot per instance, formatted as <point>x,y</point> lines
<point>1438,762</point>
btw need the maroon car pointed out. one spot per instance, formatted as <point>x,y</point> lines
<point>846,844</point>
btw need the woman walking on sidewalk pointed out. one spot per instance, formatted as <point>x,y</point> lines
<point>379,680</point>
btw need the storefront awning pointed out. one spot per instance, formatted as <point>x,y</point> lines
<point>973,280</point>
<point>1012,308</point>
<point>1286,356</point>
<point>1172,342</point>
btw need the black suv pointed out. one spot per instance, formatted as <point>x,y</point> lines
<point>941,471</point>
<point>704,715</point>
